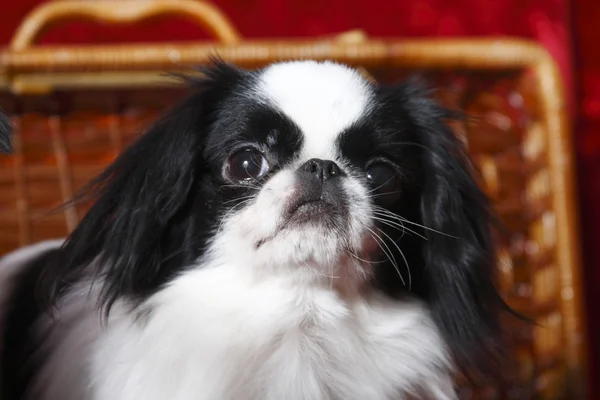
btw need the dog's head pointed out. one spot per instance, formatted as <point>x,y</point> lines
<point>304,169</point>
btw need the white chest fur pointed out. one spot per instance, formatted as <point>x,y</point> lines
<point>210,336</point>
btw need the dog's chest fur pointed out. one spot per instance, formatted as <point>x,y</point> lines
<point>210,335</point>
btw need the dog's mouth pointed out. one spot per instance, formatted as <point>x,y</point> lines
<point>307,211</point>
<point>318,211</point>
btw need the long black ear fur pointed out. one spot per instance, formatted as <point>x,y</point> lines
<point>5,134</point>
<point>460,261</point>
<point>141,201</point>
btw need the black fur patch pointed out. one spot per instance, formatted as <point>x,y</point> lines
<point>5,134</point>
<point>22,309</point>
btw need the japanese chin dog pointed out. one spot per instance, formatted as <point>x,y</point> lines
<point>295,232</point>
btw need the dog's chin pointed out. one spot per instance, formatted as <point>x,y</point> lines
<point>316,244</point>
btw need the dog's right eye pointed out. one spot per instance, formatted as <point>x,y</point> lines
<point>247,164</point>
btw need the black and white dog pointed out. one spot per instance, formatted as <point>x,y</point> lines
<point>294,232</point>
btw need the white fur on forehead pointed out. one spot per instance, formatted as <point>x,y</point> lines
<point>321,98</point>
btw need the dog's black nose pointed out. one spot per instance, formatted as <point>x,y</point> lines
<point>322,169</point>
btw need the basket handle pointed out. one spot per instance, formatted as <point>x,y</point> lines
<point>53,13</point>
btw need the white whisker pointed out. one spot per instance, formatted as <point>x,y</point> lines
<point>383,194</point>
<point>403,257</point>
<point>238,199</point>
<point>402,219</point>
<point>388,254</point>
<point>362,259</point>
<point>397,225</point>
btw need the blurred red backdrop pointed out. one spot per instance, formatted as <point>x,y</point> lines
<point>569,31</point>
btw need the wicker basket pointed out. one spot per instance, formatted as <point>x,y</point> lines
<point>75,108</point>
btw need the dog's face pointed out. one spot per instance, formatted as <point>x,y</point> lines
<point>304,169</point>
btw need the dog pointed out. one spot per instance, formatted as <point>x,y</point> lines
<point>293,232</point>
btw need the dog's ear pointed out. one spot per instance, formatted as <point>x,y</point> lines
<point>5,133</point>
<point>459,255</point>
<point>142,200</point>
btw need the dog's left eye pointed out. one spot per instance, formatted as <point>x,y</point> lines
<point>382,178</point>
<point>247,164</point>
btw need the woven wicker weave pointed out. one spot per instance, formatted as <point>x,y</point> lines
<point>75,108</point>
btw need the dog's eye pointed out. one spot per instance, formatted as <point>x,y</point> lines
<point>247,164</point>
<point>382,178</point>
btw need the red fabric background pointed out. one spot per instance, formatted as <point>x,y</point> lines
<point>563,29</point>
<point>586,32</point>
